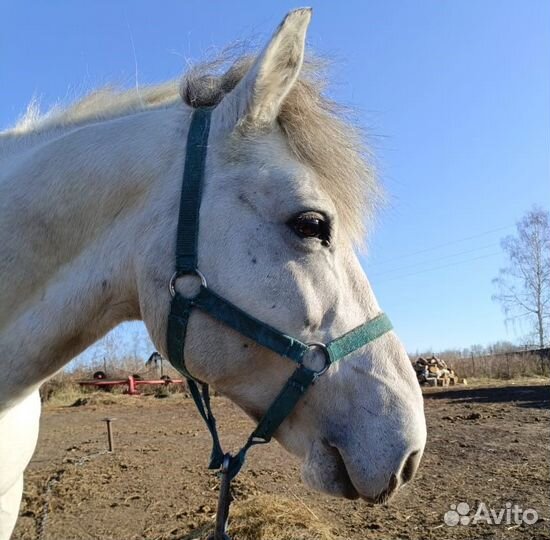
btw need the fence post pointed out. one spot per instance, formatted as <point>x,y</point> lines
<point>110,438</point>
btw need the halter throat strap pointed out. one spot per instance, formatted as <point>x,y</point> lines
<point>229,314</point>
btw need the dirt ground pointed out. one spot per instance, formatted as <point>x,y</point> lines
<point>485,444</point>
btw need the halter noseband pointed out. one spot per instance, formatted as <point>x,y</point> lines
<point>224,311</point>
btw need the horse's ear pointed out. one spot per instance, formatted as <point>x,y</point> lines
<point>257,98</point>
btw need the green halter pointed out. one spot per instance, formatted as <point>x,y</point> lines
<point>224,311</point>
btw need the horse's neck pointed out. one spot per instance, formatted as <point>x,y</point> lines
<point>72,210</point>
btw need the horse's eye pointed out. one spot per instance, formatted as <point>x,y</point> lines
<point>311,225</point>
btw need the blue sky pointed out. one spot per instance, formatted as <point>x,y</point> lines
<point>455,96</point>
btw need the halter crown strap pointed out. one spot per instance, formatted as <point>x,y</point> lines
<point>191,191</point>
<point>224,311</point>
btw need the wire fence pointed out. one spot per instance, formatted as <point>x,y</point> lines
<point>505,365</point>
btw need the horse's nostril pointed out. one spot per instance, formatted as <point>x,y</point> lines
<point>409,468</point>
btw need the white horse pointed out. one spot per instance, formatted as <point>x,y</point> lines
<point>89,202</point>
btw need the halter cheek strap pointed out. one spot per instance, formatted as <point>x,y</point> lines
<point>229,314</point>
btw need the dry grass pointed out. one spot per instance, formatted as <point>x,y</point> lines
<point>512,365</point>
<point>275,518</point>
<point>62,389</point>
<point>267,517</point>
<point>101,398</point>
<point>487,382</point>
<point>72,395</point>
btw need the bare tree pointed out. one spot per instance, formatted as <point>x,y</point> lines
<point>524,285</point>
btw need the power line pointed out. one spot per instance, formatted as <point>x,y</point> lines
<point>441,267</point>
<point>439,246</point>
<point>443,257</point>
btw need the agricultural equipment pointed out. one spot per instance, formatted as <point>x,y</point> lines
<point>132,382</point>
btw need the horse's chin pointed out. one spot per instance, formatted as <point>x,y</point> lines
<point>324,470</point>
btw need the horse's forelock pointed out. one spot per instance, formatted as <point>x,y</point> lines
<point>318,130</point>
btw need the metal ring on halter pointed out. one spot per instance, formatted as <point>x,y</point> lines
<point>324,349</point>
<point>177,275</point>
<point>226,462</point>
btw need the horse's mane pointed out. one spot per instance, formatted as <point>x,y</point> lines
<point>319,131</point>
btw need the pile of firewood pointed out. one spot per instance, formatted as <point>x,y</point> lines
<point>435,372</point>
